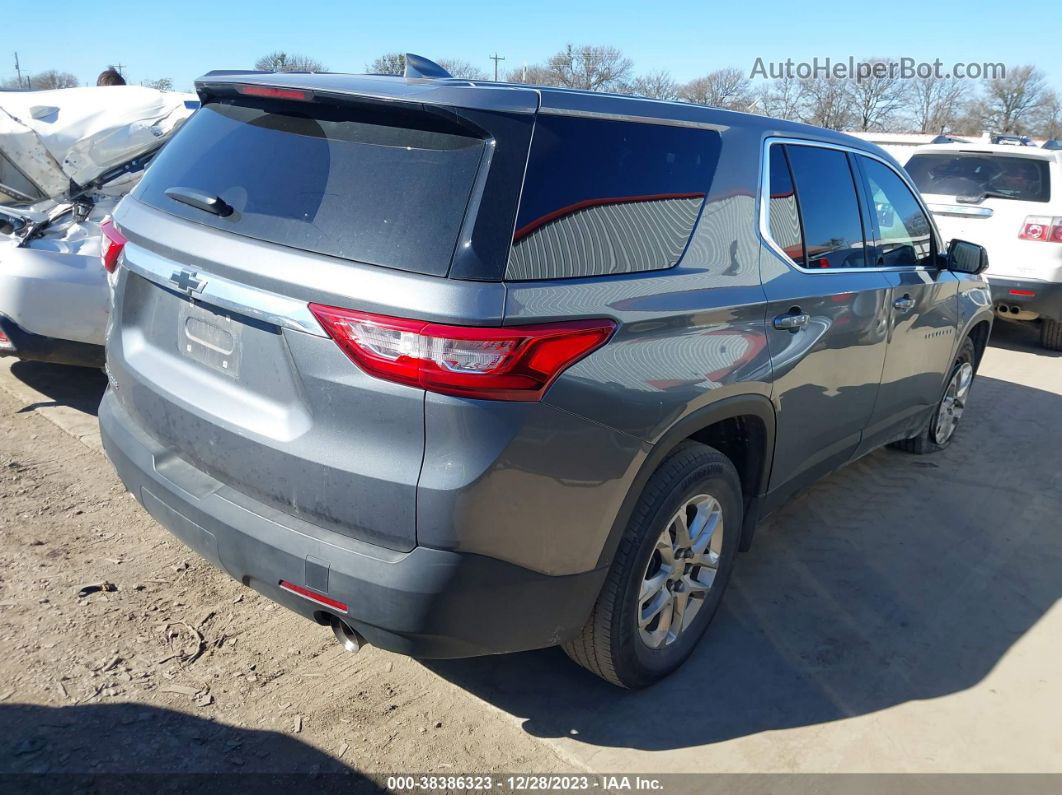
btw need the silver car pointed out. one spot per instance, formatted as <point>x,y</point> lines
<point>463,368</point>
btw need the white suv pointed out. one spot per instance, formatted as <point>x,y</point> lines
<point>1008,199</point>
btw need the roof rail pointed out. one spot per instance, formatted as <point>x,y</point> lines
<point>419,66</point>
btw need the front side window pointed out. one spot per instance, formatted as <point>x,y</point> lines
<point>829,207</point>
<point>902,232</point>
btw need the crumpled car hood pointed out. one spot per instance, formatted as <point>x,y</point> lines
<point>50,139</point>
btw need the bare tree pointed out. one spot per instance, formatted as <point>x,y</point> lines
<point>937,103</point>
<point>723,88</point>
<point>591,68</point>
<point>782,98</point>
<point>878,97</point>
<point>655,85</point>
<point>828,102</point>
<point>162,84</point>
<point>1010,103</point>
<point>280,61</point>
<point>390,63</point>
<point>1050,121</point>
<point>52,79</point>
<point>462,69</point>
<point>533,75</point>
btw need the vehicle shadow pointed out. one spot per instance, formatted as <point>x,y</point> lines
<point>143,748</point>
<point>80,388</point>
<point>1019,336</point>
<point>898,578</point>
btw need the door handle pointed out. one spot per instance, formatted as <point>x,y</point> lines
<point>905,304</point>
<point>794,320</point>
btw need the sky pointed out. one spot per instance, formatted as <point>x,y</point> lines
<point>181,40</point>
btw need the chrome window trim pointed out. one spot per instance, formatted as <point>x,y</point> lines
<point>268,307</point>
<point>764,194</point>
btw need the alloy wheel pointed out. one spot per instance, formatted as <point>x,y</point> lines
<point>680,571</point>
<point>953,404</point>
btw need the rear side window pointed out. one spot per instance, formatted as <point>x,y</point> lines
<point>386,188</point>
<point>829,207</point>
<point>783,211</point>
<point>981,176</point>
<point>605,197</point>
<point>901,230</point>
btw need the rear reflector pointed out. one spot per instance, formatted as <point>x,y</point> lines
<point>275,93</point>
<point>1026,293</point>
<point>501,363</point>
<point>313,596</point>
<point>111,244</point>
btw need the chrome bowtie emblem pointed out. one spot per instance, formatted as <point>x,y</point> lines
<point>186,281</point>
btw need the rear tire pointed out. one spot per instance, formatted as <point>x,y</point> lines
<point>679,548</point>
<point>937,434</point>
<point>1051,334</point>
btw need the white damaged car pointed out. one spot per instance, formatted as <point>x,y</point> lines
<point>66,158</point>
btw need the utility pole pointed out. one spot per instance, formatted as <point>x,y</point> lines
<point>496,58</point>
<point>118,67</point>
<point>18,71</point>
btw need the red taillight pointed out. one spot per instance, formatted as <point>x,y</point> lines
<point>313,596</point>
<point>275,93</point>
<point>1025,293</point>
<point>111,244</point>
<point>506,363</point>
<point>1041,228</point>
<point>5,343</point>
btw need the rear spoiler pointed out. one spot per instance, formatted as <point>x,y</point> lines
<point>419,91</point>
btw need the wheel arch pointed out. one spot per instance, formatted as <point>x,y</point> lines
<point>742,427</point>
<point>979,333</point>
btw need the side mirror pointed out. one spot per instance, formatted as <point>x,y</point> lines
<point>966,257</point>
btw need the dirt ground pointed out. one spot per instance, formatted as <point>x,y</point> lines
<point>165,664</point>
<point>903,615</point>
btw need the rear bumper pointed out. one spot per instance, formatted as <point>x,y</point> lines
<point>1045,299</point>
<point>37,348</point>
<point>426,602</point>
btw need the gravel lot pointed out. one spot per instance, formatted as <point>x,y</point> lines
<point>902,615</point>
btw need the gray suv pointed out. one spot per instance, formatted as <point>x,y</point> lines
<point>463,368</point>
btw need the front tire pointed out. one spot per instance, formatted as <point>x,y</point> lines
<point>949,409</point>
<point>669,573</point>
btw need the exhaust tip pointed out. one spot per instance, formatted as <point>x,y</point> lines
<point>349,638</point>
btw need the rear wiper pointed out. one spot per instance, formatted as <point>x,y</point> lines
<point>201,201</point>
<point>988,194</point>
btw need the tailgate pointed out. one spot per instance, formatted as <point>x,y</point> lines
<point>274,412</point>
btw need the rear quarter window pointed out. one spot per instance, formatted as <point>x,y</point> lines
<point>982,175</point>
<point>605,197</point>
<point>386,188</point>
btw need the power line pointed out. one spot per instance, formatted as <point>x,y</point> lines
<point>496,58</point>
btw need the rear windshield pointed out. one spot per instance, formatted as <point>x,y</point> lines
<point>982,176</point>
<point>603,196</point>
<point>384,188</point>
